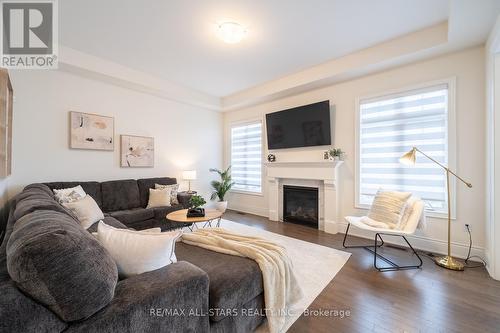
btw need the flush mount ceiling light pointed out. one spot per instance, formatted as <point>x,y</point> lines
<point>231,32</point>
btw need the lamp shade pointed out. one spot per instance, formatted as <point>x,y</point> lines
<point>409,158</point>
<point>189,175</point>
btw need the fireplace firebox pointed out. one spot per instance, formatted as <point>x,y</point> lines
<point>300,205</point>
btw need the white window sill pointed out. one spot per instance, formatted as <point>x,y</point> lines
<point>258,194</point>
<point>435,215</point>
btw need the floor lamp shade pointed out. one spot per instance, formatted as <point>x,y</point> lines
<point>409,158</point>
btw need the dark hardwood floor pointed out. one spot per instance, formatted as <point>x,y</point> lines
<point>430,299</point>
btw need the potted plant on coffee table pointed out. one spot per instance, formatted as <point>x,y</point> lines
<point>195,209</point>
<point>221,187</point>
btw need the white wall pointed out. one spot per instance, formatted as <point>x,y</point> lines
<point>468,68</point>
<point>186,137</point>
<point>493,151</point>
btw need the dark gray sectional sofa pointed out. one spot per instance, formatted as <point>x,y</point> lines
<point>126,201</point>
<point>55,276</point>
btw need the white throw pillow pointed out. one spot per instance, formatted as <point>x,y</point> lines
<point>174,189</point>
<point>86,210</point>
<point>387,207</point>
<point>150,230</point>
<point>158,198</point>
<point>408,210</point>
<point>69,194</point>
<point>136,252</point>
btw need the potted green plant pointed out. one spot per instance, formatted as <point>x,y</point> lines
<point>221,187</point>
<point>195,209</point>
<point>336,154</point>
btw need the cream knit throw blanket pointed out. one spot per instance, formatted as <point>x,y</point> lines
<point>281,289</point>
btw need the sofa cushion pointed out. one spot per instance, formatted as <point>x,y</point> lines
<point>109,220</point>
<point>59,264</point>
<point>233,280</point>
<point>147,183</point>
<point>161,212</point>
<point>146,224</point>
<point>91,188</point>
<point>120,195</point>
<point>133,215</point>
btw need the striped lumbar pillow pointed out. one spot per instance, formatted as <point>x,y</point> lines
<point>388,207</point>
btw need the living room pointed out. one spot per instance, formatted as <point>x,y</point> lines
<point>245,170</point>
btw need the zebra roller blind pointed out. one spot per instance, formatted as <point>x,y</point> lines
<point>246,157</point>
<point>392,125</point>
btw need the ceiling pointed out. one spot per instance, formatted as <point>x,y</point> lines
<point>175,40</point>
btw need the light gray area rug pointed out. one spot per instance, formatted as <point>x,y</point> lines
<point>315,265</point>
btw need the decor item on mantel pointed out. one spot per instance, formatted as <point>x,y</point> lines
<point>137,151</point>
<point>189,175</point>
<point>336,154</point>
<point>91,131</point>
<point>6,98</point>
<point>221,188</point>
<point>447,261</point>
<point>271,158</point>
<point>195,209</point>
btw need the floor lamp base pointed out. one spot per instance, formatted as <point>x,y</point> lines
<point>449,263</point>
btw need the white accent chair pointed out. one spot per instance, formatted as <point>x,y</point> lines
<point>411,225</point>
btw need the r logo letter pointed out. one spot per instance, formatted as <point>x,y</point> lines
<point>35,21</point>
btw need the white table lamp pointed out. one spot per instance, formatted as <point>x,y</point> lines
<point>189,175</point>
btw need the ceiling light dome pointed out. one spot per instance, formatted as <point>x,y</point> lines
<point>231,32</point>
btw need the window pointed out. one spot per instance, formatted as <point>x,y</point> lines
<point>246,157</point>
<point>391,125</point>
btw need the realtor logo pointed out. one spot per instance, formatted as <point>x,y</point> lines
<point>29,38</point>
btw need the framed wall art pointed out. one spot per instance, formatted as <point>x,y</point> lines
<point>137,151</point>
<point>91,131</point>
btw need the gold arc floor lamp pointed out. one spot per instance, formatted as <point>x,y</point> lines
<point>447,261</point>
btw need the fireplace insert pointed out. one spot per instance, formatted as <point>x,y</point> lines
<point>300,205</point>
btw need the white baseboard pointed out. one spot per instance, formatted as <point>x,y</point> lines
<point>427,244</point>
<point>248,209</point>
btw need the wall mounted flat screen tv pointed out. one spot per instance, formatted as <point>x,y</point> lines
<point>302,126</point>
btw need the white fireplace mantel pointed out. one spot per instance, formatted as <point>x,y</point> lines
<point>325,172</point>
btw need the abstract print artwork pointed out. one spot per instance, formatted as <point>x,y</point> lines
<point>91,131</point>
<point>137,151</point>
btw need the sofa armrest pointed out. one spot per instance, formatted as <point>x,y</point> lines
<point>170,299</point>
<point>183,198</point>
<point>20,313</point>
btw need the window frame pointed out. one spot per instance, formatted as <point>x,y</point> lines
<point>451,137</point>
<point>244,122</point>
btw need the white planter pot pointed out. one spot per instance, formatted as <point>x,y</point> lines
<point>221,206</point>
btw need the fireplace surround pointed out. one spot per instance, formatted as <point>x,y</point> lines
<point>323,175</point>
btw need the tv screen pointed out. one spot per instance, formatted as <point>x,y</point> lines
<point>303,126</point>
